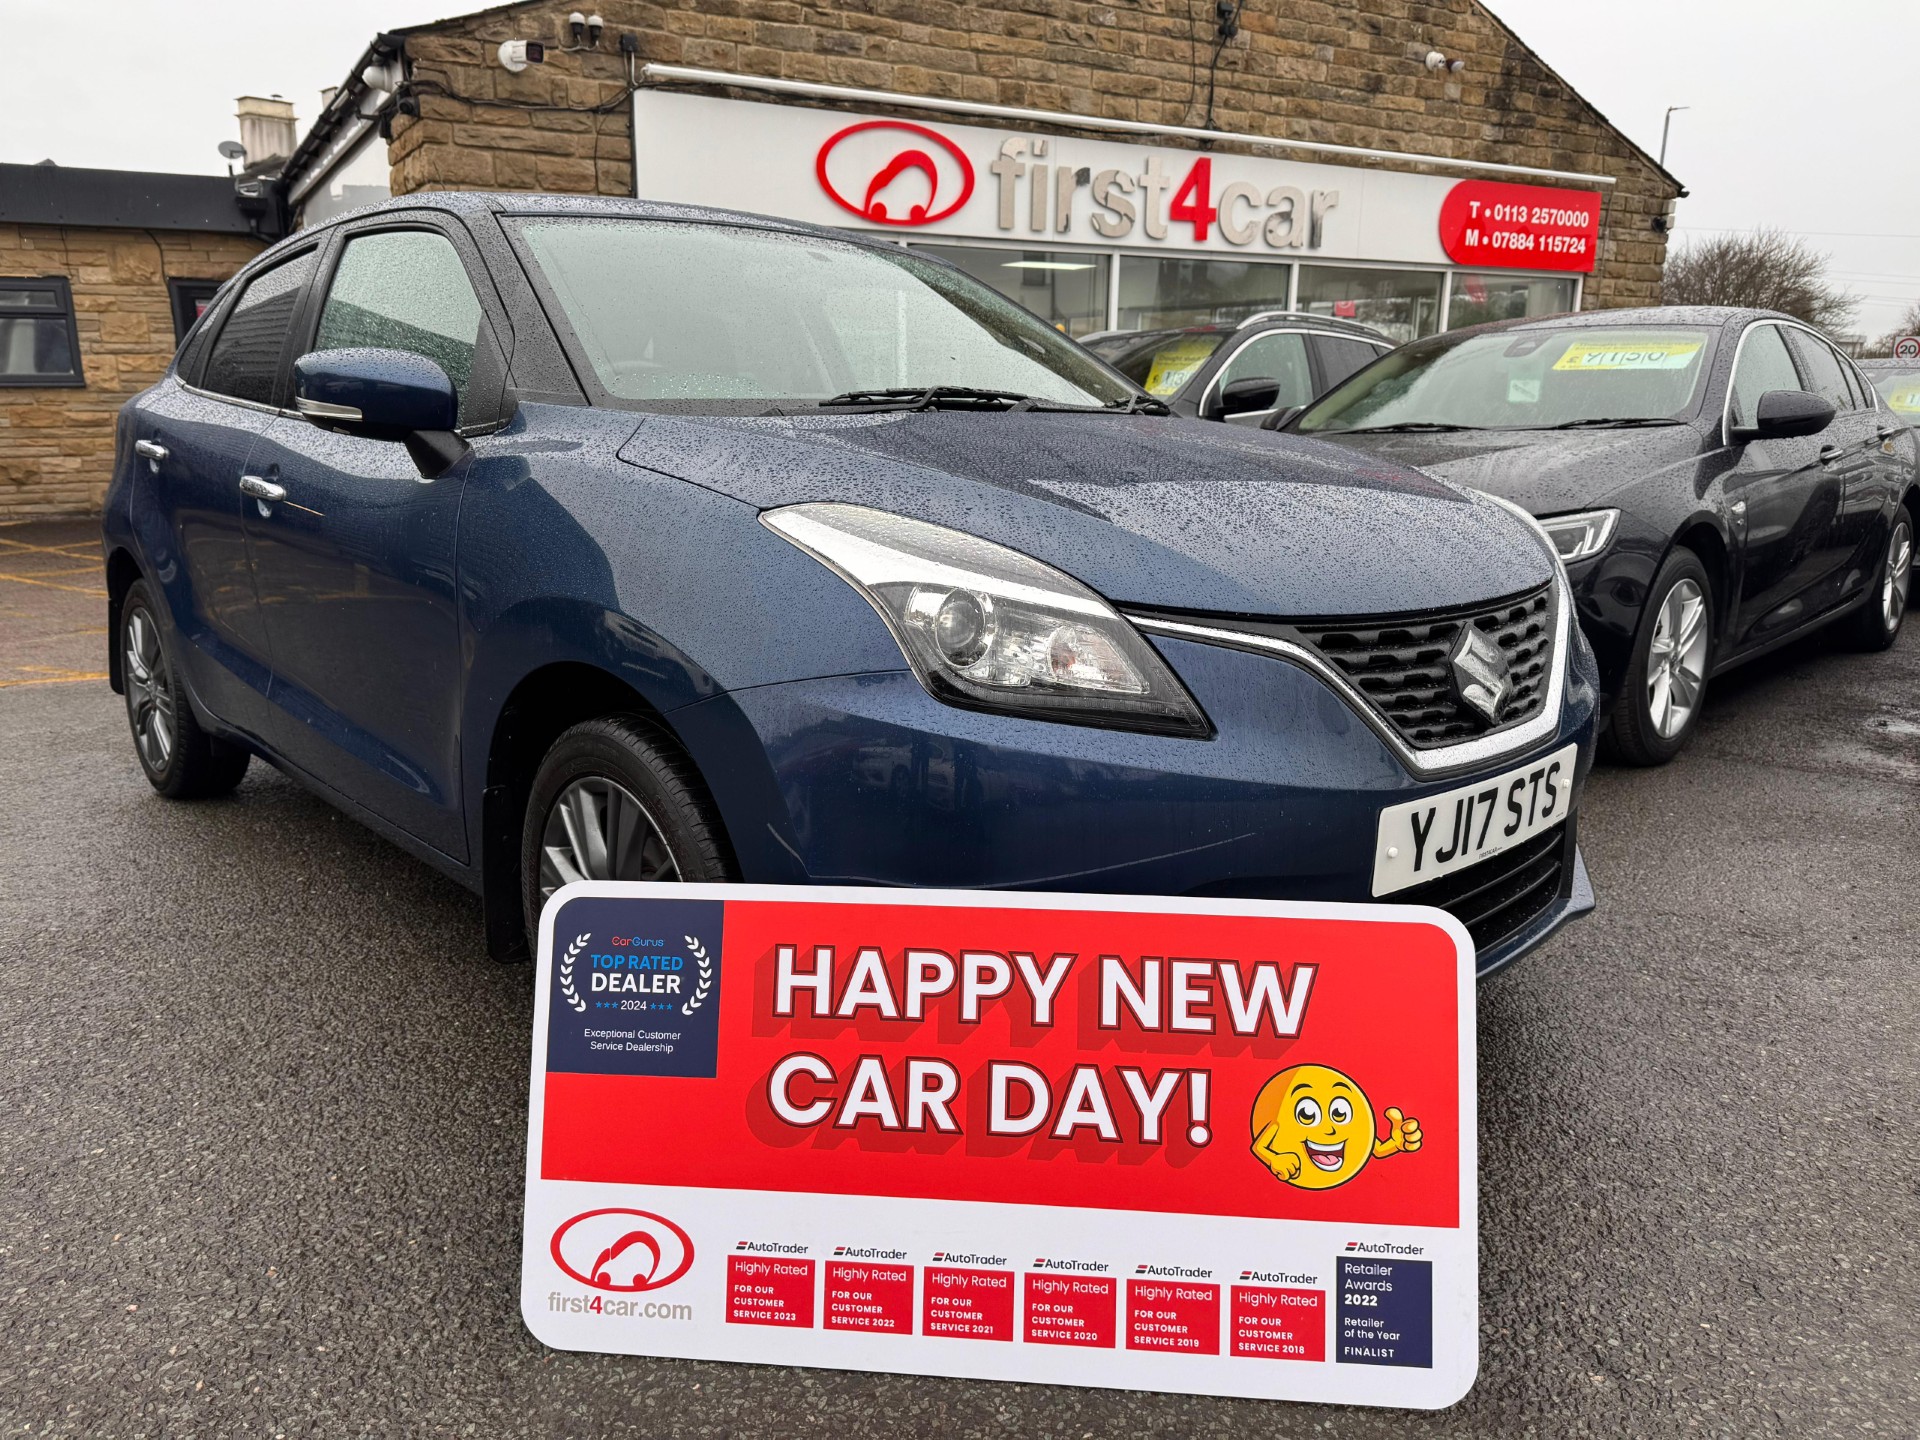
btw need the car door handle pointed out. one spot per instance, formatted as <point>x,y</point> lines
<point>150,450</point>
<point>1831,453</point>
<point>1887,432</point>
<point>261,489</point>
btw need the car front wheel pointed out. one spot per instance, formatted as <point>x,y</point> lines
<point>179,758</point>
<point>614,800</point>
<point>1876,624</point>
<point>1666,680</point>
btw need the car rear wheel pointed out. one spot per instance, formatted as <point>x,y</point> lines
<point>614,800</point>
<point>1666,680</point>
<point>1876,624</point>
<point>179,758</point>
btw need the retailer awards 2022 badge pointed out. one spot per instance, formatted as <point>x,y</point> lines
<point>1204,1146</point>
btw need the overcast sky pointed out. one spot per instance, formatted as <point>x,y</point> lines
<point>1802,115</point>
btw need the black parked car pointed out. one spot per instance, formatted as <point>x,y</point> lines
<point>1244,371</point>
<point>1717,481</point>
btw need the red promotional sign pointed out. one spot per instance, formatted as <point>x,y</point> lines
<point>1491,225</point>
<point>892,172</point>
<point>1127,1142</point>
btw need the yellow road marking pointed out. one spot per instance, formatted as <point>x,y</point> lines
<point>52,680</point>
<point>72,589</point>
<point>60,550</point>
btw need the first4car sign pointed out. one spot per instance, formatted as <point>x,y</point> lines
<point>967,181</point>
<point>1221,1147</point>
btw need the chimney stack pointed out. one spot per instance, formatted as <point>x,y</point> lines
<point>266,129</point>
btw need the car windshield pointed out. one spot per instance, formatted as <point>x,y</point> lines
<point>1530,379</point>
<point>1900,388</point>
<point>726,319</point>
<point>1159,361</point>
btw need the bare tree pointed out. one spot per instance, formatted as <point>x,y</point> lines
<point>1767,269</point>
<point>1907,324</point>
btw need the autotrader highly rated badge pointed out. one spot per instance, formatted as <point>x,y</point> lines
<point>1224,1147</point>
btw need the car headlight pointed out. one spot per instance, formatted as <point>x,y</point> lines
<point>988,628</point>
<point>1582,536</point>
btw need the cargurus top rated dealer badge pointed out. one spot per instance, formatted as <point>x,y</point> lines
<point>1216,1146</point>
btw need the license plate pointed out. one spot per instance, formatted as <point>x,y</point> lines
<point>1424,839</point>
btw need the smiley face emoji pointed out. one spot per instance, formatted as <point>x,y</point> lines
<point>1314,1128</point>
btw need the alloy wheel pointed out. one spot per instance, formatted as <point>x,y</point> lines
<point>1899,577</point>
<point>149,692</point>
<point>597,830</point>
<point>1677,661</point>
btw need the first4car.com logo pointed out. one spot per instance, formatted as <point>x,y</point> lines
<point>617,1252</point>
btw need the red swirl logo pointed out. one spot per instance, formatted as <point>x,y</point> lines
<point>622,1250</point>
<point>900,171</point>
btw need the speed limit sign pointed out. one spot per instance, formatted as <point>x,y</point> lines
<point>1907,347</point>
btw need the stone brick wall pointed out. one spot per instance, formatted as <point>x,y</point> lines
<point>1348,72</point>
<point>56,445</point>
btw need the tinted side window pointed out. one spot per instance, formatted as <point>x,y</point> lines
<point>405,290</point>
<point>1341,358</point>
<point>1280,356</point>
<point>245,359</point>
<point>1822,367</point>
<point>1764,365</point>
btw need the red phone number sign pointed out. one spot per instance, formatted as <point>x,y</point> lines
<point>1520,227</point>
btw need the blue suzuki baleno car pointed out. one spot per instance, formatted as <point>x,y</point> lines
<point>561,538</point>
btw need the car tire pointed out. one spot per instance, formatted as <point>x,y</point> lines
<point>1876,624</point>
<point>614,799</point>
<point>1666,681</point>
<point>179,758</point>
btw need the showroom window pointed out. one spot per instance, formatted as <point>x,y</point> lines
<point>1163,292</point>
<point>1402,304</point>
<point>1065,288</point>
<point>38,343</point>
<point>1478,298</point>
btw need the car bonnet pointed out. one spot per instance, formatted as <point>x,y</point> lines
<point>1148,511</point>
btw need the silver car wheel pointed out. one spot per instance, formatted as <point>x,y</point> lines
<point>149,692</point>
<point>1899,577</point>
<point>597,830</point>
<point>1677,661</point>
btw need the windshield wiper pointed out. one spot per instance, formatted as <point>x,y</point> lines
<point>932,397</point>
<point>1138,405</point>
<point>1622,422</point>
<point>1405,427</point>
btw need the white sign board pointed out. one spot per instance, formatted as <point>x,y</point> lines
<point>934,181</point>
<point>1220,1147</point>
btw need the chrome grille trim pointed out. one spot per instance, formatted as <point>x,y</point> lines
<point>1434,761</point>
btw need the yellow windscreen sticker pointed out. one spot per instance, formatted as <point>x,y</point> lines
<point>1647,355</point>
<point>1906,401</point>
<point>1174,366</point>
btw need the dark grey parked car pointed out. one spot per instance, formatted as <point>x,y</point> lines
<point>1245,371</point>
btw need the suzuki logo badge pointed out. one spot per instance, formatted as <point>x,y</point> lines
<point>1480,676</point>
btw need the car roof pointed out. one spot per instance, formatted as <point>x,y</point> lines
<point>1262,319</point>
<point>1711,317</point>
<point>473,202</point>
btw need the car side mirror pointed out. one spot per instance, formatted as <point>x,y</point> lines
<point>1245,397</point>
<point>1785,415</point>
<point>383,395</point>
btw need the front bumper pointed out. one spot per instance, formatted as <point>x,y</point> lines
<point>865,779</point>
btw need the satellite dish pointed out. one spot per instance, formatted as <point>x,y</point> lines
<point>232,150</point>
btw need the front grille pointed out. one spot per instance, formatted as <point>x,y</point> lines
<point>1498,897</point>
<point>1401,664</point>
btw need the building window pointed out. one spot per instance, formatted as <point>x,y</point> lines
<point>1401,304</point>
<point>1067,289</point>
<point>190,300</point>
<point>38,343</point>
<point>1160,293</point>
<point>1478,298</point>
